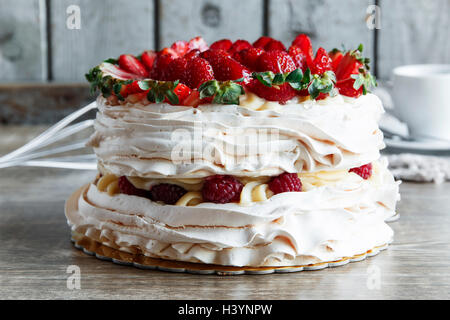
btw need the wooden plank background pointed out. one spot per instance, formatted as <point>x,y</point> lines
<point>37,45</point>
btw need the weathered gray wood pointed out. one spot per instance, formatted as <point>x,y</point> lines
<point>41,103</point>
<point>330,24</point>
<point>108,29</point>
<point>212,19</point>
<point>416,31</point>
<point>36,252</point>
<point>20,41</point>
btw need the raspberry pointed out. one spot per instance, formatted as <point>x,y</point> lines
<point>285,182</point>
<point>221,189</point>
<point>364,171</point>
<point>167,193</point>
<point>126,187</point>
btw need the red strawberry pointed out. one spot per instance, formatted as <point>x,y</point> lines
<point>345,88</point>
<point>262,42</point>
<point>198,71</point>
<point>239,45</point>
<point>180,47</point>
<point>298,56</point>
<point>364,171</point>
<point>147,58</point>
<point>192,54</point>
<point>276,61</point>
<point>131,64</point>
<point>131,88</point>
<point>348,65</point>
<point>197,43</point>
<point>275,45</point>
<point>193,99</point>
<point>211,54</point>
<point>182,91</point>
<point>336,57</point>
<point>280,93</point>
<point>224,44</point>
<point>304,43</point>
<point>176,69</point>
<point>226,68</point>
<point>160,65</point>
<point>321,62</point>
<point>249,57</point>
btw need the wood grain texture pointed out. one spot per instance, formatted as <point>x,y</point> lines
<point>31,103</point>
<point>212,19</point>
<point>416,31</point>
<point>108,29</point>
<point>21,57</point>
<point>36,252</point>
<point>330,24</point>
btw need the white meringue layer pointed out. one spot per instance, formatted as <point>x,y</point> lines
<point>153,140</point>
<point>323,224</point>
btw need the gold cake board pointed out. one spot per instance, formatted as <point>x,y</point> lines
<point>103,252</point>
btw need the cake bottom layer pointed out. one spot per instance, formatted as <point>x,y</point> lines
<point>290,229</point>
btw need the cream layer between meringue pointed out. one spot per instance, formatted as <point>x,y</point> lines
<point>325,223</point>
<point>254,139</point>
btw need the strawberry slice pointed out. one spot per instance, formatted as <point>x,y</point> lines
<point>276,61</point>
<point>193,99</point>
<point>148,58</point>
<point>115,72</point>
<point>180,47</point>
<point>182,91</point>
<point>321,62</point>
<point>349,64</point>
<point>197,43</point>
<point>131,64</point>
<point>199,71</point>
<point>224,44</point>
<point>346,88</point>
<point>304,43</point>
<point>336,57</point>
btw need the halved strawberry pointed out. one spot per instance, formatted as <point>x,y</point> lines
<point>298,56</point>
<point>182,91</point>
<point>224,44</point>
<point>321,62</point>
<point>131,64</point>
<point>129,89</point>
<point>276,61</point>
<point>336,57</point>
<point>349,64</point>
<point>115,72</point>
<point>304,43</point>
<point>346,88</point>
<point>199,71</point>
<point>225,67</point>
<point>180,47</point>
<point>197,43</point>
<point>193,99</point>
<point>147,58</point>
<point>239,45</point>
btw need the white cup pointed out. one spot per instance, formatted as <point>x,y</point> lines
<point>421,97</point>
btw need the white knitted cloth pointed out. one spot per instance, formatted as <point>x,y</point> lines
<point>421,168</point>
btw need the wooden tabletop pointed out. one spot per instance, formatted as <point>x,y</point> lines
<point>36,251</point>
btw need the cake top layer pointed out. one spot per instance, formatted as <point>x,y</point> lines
<point>191,73</point>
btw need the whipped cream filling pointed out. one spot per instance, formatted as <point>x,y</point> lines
<point>287,229</point>
<point>161,140</point>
